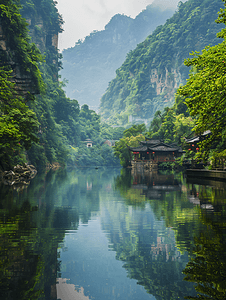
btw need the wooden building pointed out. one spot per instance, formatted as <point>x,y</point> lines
<point>152,152</point>
<point>193,143</point>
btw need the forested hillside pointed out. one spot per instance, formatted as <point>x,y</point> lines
<point>38,123</point>
<point>91,64</point>
<point>150,75</point>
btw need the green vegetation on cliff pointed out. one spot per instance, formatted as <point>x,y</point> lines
<point>48,127</point>
<point>18,123</point>
<point>91,63</point>
<point>150,75</point>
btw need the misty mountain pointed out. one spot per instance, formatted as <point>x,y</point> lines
<point>148,79</point>
<point>91,63</point>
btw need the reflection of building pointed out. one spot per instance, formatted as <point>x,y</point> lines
<point>89,186</point>
<point>204,202</point>
<point>152,152</point>
<point>169,250</point>
<point>154,184</point>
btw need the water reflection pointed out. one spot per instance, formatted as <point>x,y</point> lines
<point>196,213</point>
<point>142,240</point>
<point>207,267</point>
<point>109,234</point>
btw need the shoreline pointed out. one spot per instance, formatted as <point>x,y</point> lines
<point>207,174</point>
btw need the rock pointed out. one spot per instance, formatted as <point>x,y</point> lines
<point>19,175</point>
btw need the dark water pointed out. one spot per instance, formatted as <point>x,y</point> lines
<point>109,234</point>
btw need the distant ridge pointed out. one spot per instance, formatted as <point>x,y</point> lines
<point>147,80</point>
<point>91,64</point>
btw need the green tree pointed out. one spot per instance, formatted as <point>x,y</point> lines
<point>121,148</point>
<point>18,123</point>
<point>134,130</point>
<point>205,92</point>
<point>131,138</point>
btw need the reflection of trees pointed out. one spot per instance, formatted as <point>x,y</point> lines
<point>160,277</point>
<point>31,231</point>
<point>168,200</point>
<point>207,269</point>
<point>29,237</point>
<point>18,265</point>
<point>28,250</point>
<point>147,248</point>
<point>193,210</point>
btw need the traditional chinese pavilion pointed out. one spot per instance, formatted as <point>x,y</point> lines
<point>193,142</point>
<point>153,152</point>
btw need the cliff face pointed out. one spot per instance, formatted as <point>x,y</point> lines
<point>17,55</point>
<point>42,36</point>
<point>16,48</point>
<point>91,64</point>
<point>147,80</point>
<point>166,82</point>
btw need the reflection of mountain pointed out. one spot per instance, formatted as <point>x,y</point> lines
<point>31,231</point>
<point>193,210</point>
<point>147,247</point>
<point>28,252</point>
<point>167,196</point>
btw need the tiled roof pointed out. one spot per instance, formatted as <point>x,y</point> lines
<point>159,147</point>
<point>150,142</point>
<point>197,138</point>
<point>139,149</point>
<point>163,148</point>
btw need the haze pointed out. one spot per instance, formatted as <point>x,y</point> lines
<point>82,17</point>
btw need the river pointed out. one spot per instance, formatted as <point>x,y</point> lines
<point>110,234</point>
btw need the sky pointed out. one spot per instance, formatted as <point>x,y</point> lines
<point>81,17</point>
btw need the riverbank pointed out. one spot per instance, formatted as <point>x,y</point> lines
<point>211,174</point>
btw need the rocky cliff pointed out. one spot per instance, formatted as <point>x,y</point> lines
<point>91,64</point>
<point>152,72</point>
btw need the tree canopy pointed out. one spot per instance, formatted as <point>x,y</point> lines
<point>205,92</point>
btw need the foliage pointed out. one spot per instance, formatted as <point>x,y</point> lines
<point>173,124</point>
<point>205,94</point>
<point>207,267</point>
<point>18,123</point>
<point>134,130</point>
<point>146,81</point>
<point>47,9</point>
<point>23,53</point>
<point>131,138</point>
<point>110,133</point>
<point>90,65</point>
<point>54,127</point>
<point>217,159</point>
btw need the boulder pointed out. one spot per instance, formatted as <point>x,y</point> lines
<point>19,175</point>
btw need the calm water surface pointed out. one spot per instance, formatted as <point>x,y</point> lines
<point>109,234</point>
